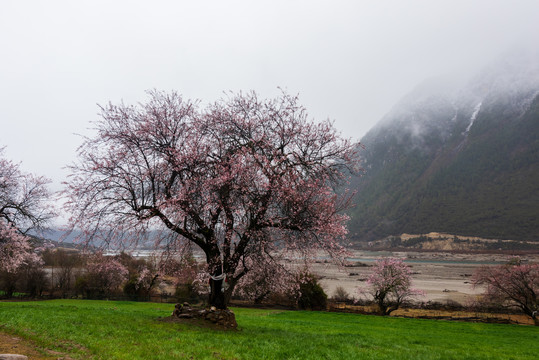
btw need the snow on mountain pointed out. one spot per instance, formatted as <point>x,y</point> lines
<point>476,110</point>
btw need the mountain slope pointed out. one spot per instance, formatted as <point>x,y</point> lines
<point>464,163</point>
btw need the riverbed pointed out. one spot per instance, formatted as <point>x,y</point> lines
<point>444,277</point>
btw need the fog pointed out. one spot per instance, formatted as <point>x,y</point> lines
<point>349,61</point>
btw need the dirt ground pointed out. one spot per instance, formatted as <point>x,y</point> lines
<point>452,315</point>
<point>10,344</point>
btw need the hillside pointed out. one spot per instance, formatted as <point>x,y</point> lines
<point>462,162</point>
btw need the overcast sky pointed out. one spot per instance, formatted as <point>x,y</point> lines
<point>349,61</point>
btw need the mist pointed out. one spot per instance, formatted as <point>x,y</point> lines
<point>348,61</point>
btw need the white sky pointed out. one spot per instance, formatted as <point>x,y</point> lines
<point>348,60</point>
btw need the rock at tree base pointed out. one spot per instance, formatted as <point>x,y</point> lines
<point>222,317</point>
<point>13,357</point>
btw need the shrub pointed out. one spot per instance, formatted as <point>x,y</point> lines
<point>341,295</point>
<point>311,295</point>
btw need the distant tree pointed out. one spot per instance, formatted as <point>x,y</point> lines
<point>143,276</point>
<point>8,282</point>
<point>104,276</point>
<point>63,264</point>
<point>391,284</point>
<point>513,285</point>
<point>33,279</point>
<point>239,178</point>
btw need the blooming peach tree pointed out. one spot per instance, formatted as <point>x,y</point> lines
<point>391,284</point>
<point>512,285</point>
<point>238,178</point>
<point>24,206</point>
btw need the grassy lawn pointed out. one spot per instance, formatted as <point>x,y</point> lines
<point>128,330</point>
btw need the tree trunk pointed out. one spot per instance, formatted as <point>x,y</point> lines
<point>10,289</point>
<point>380,301</point>
<point>391,308</point>
<point>215,267</point>
<point>217,295</point>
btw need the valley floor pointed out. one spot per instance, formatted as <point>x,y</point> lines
<point>443,276</point>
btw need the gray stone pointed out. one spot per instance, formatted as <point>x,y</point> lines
<point>223,318</point>
<point>13,357</point>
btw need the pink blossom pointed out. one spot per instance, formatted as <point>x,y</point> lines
<point>15,250</point>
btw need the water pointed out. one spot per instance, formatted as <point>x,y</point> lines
<point>372,256</point>
<point>428,261</point>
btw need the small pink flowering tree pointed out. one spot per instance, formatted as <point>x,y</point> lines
<point>105,275</point>
<point>513,285</point>
<point>239,178</point>
<point>391,284</point>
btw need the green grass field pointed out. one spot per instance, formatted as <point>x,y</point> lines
<point>128,330</point>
